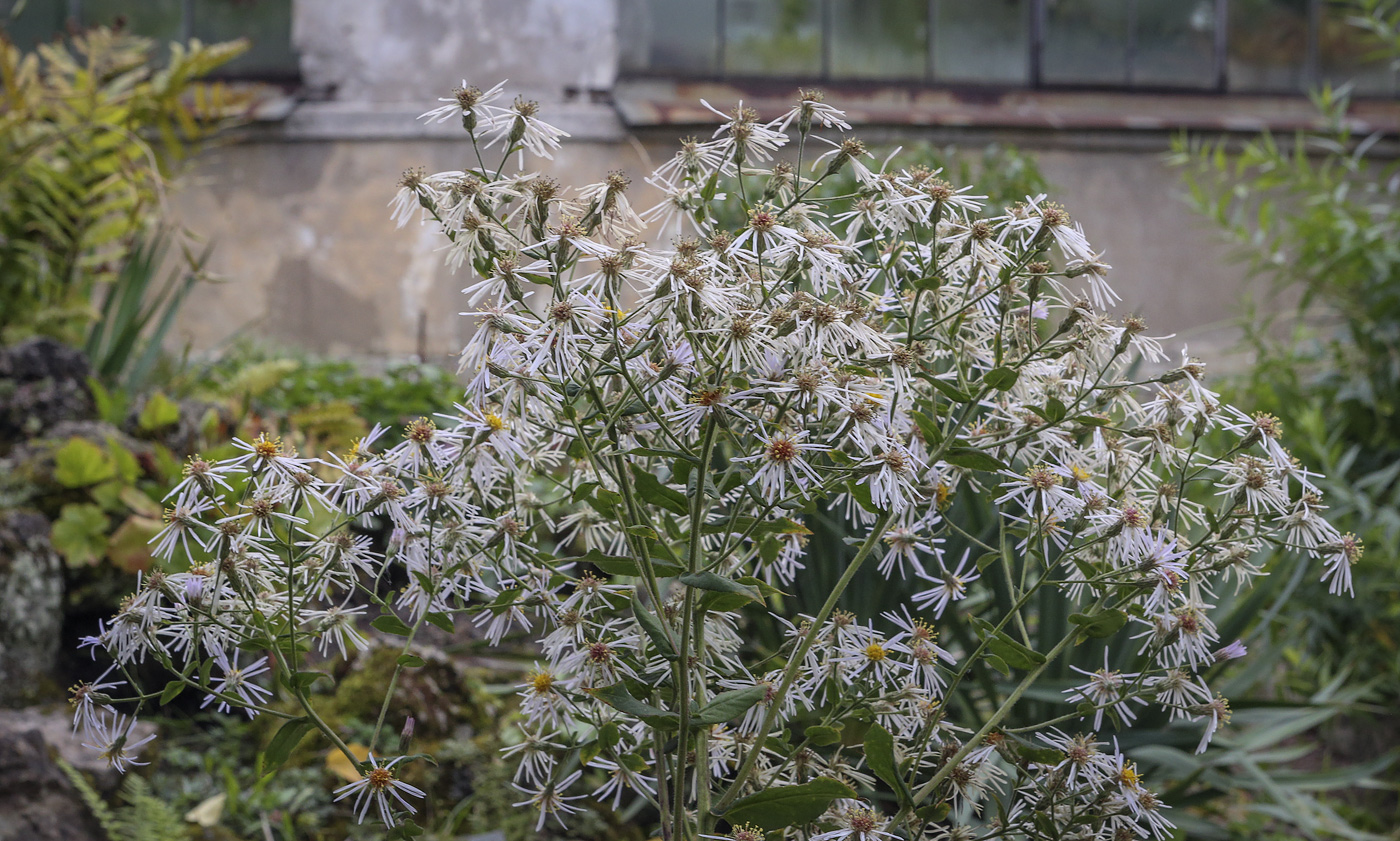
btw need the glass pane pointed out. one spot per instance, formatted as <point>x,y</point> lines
<point>887,40</point>
<point>682,36</point>
<point>36,23</point>
<point>1347,53</point>
<point>1175,44</point>
<point>266,23</point>
<point>773,38</point>
<point>986,42</point>
<point>158,19</point>
<point>1086,42</point>
<point>1268,45</point>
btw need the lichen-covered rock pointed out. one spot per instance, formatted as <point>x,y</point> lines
<point>42,382</point>
<point>31,606</point>
<point>37,802</point>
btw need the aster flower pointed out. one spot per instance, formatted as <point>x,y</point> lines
<point>379,788</point>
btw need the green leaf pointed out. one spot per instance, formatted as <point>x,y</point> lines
<point>655,629</point>
<point>127,467</point>
<point>617,697</point>
<point>879,755</point>
<point>410,661</point>
<point>778,807</point>
<point>1001,379</point>
<point>1014,653</point>
<point>286,740</point>
<point>172,689</point>
<point>642,531</point>
<point>80,533</point>
<point>80,463</point>
<point>159,412</point>
<point>724,594</point>
<point>442,621</point>
<point>780,525</point>
<point>997,663</point>
<point>1099,625</point>
<point>651,490</point>
<point>928,428</point>
<point>391,624</point>
<point>934,812</point>
<point>1054,410</point>
<point>1042,756</point>
<point>302,680</point>
<point>618,565</point>
<point>727,706</point>
<point>821,735</point>
<point>973,459</point>
<point>949,390</point>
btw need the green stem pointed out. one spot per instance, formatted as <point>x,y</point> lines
<point>790,673</point>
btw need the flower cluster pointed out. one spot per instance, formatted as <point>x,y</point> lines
<point>653,401</point>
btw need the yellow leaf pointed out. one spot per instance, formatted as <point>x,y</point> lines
<point>339,764</point>
<point>208,812</point>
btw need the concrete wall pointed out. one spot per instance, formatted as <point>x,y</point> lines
<point>298,216</point>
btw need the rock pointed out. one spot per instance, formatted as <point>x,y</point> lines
<point>56,730</point>
<point>37,802</point>
<point>31,604</point>
<point>42,382</point>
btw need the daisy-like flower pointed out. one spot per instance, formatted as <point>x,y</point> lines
<point>235,681</point>
<point>782,463</point>
<point>811,109</point>
<point>550,801</point>
<point>376,786</point>
<point>904,544</point>
<point>950,586</point>
<point>1217,713</point>
<point>1338,559</point>
<point>110,736</point>
<point>519,124</point>
<point>892,484</point>
<point>1105,689</point>
<point>856,823</point>
<point>468,101</point>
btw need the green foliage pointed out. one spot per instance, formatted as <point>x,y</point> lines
<point>332,402</point>
<point>80,534</point>
<point>90,131</point>
<point>1319,220</point>
<point>124,343</point>
<point>144,817</point>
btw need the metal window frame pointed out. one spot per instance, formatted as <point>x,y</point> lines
<point>74,13</point>
<point>1038,14</point>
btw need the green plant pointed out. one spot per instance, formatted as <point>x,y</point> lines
<point>90,131</point>
<point>144,817</point>
<point>641,430</point>
<point>124,342</point>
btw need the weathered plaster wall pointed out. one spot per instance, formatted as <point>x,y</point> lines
<point>298,215</point>
<point>398,50</point>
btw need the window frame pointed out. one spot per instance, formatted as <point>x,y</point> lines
<point>1038,14</point>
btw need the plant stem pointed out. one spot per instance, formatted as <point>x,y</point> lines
<point>790,673</point>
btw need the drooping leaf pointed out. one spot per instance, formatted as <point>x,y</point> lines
<point>727,706</point>
<point>778,807</point>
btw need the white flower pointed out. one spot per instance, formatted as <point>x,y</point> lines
<point>110,736</point>
<point>951,586</point>
<point>375,788</point>
<point>1106,689</point>
<point>782,462</point>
